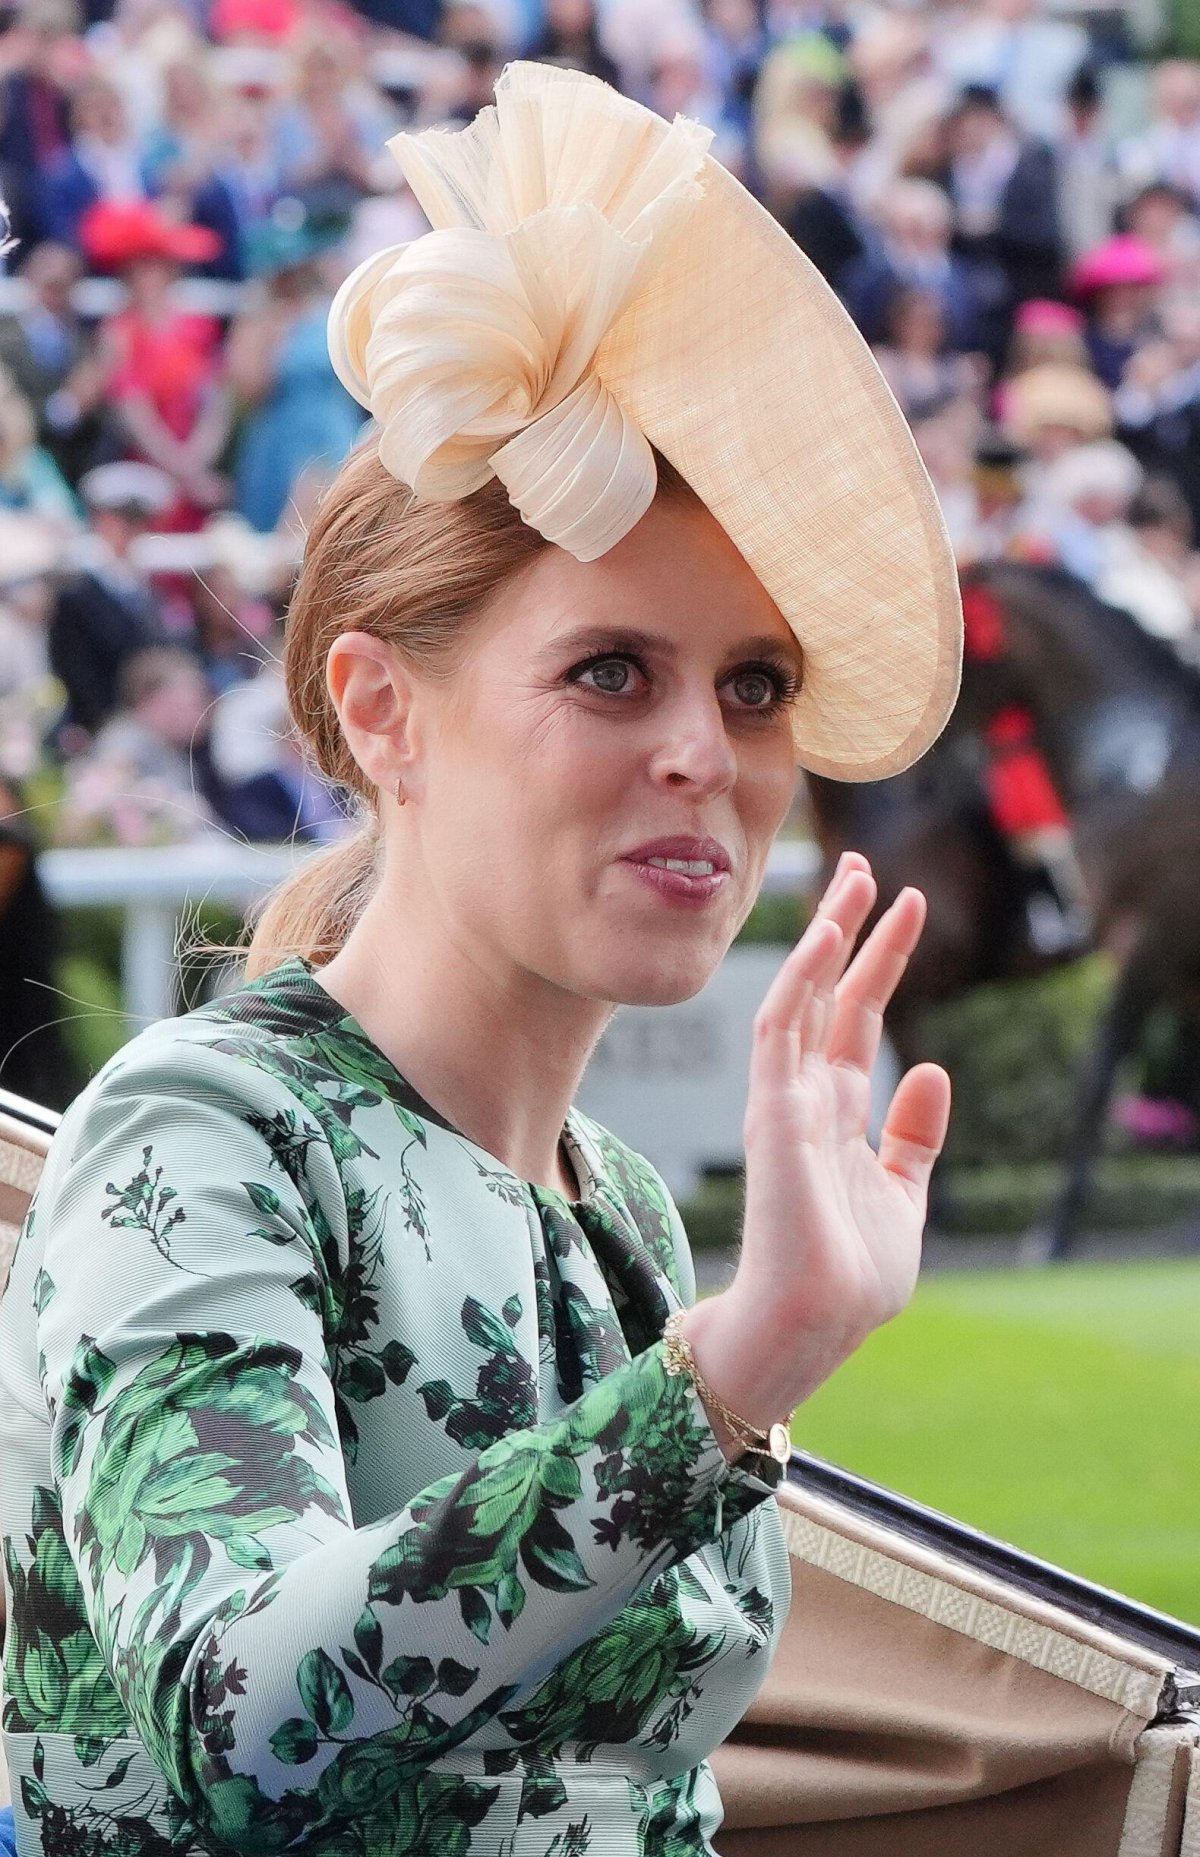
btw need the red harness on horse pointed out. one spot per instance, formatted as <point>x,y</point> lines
<point>1021,793</point>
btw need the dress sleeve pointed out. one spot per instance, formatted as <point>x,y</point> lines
<point>278,1662</point>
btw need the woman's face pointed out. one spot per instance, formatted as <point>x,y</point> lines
<point>608,717</point>
<point>573,18</point>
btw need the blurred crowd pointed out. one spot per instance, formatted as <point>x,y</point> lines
<point>1004,193</point>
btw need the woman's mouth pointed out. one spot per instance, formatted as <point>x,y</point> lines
<point>688,873</point>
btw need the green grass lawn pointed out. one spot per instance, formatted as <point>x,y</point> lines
<point>1057,1409</point>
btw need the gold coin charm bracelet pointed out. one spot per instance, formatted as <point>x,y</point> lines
<point>678,1357</point>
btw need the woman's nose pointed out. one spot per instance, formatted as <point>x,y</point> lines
<point>694,749</point>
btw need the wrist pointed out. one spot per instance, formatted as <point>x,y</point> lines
<point>725,1349</point>
<point>735,1435</point>
<point>760,1361</point>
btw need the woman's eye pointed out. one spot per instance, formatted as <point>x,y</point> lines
<point>612,675</point>
<point>755,689</point>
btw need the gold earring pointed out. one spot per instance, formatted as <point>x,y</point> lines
<point>400,793</point>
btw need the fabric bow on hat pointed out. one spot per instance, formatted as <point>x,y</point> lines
<point>474,345</point>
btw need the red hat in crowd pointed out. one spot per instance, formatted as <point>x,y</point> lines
<point>113,233</point>
<point>263,19</point>
<point>1123,259</point>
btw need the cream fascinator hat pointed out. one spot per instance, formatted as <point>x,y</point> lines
<point>596,284</point>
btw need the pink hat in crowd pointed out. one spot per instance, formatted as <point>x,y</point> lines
<point>1123,259</point>
<point>1046,316</point>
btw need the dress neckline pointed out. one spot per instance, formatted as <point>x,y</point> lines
<point>580,1150</point>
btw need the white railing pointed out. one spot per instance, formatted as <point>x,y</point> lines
<point>154,887</point>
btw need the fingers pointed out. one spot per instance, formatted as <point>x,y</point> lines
<point>866,988</point>
<point>916,1126</point>
<point>796,1014</point>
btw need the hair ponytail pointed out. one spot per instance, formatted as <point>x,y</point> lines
<point>312,912</point>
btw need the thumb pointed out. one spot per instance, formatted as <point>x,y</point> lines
<point>916,1124</point>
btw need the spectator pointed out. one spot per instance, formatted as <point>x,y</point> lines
<point>40,60</point>
<point>1084,500</point>
<point>947,431</point>
<point>270,793</point>
<point>1165,219</point>
<point>912,247</point>
<point>1047,331</point>
<point>238,575</point>
<point>184,159</point>
<point>631,33</point>
<point>102,163</point>
<point>51,355</point>
<point>179,143</point>
<point>902,98</point>
<point>1090,186</point>
<point>162,365</point>
<point>915,358</point>
<point>30,481</point>
<point>1154,575</point>
<point>254,24</point>
<point>469,86</point>
<point>797,112</point>
<point>29,553</point>
<point>680,85</point>
<point>331,129</point>
<point>736,43</point>
<point>570,36</point>
<point>1050,409</point>
<point>105,611</point>
<point>296,410</point>
<point>1117,284</point>
<point>1004,188</point>
<point>247,178</point>
<point>1169,150</point>
<point>147,779</point>
<point>1158,402</point>
<point>994,521</point>
<point>1010,47</point>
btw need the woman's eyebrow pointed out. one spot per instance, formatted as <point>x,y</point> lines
<point>613,637</point>
<point>770,645</point>
<point>631,638</point>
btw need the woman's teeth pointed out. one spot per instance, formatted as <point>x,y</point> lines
<point>692,867</point>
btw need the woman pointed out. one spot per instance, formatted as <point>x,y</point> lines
<point>162,364</point>
<point>570,35</point>
<point>30,481</point>
<point>296,411</point>
<point>397,1495</point>
<point>913,356</point>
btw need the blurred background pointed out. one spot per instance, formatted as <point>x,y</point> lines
<point>1006,196</point>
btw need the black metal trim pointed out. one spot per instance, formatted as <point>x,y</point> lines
<point>1166,1637</point>
<point>33,1115</point>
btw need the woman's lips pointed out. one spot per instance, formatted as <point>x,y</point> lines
<point>690,871</point>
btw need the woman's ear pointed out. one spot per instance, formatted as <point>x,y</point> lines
<point>372,690</point>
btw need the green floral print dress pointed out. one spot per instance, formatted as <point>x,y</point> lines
<point>347,1504</point>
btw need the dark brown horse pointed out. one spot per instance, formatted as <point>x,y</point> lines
<point>1118,718</point>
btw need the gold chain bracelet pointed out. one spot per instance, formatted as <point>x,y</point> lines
<point>679,1357</point>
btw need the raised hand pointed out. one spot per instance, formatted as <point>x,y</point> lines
<point>832,1233</point>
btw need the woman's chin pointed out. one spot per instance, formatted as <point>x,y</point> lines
<point>663,981</point>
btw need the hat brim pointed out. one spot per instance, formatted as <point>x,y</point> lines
<point>740,364</point>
